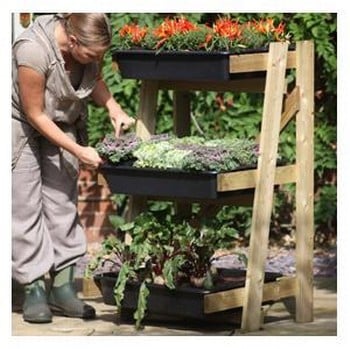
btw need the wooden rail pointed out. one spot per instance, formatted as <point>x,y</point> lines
<point>272,291</point>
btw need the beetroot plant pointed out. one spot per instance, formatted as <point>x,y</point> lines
<point>164,250</point>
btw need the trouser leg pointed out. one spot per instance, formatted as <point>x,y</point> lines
<point>60,192</point>
<point>46,230</point>
<point>32,249</point>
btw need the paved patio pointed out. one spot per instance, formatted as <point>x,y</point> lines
<point>278,320</point>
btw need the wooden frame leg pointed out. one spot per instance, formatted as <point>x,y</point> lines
<point>146,121</point>
<point>305,182</point>
<point>263,198</point>
<point>182,113</point>
<point>182,127</point>
<point>145,127</point>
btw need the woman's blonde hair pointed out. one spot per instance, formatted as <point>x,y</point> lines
<point>89,28</point>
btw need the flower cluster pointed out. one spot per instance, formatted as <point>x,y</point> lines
<point>179,33</point>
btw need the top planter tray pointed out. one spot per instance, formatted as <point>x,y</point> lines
<point>175,65</point>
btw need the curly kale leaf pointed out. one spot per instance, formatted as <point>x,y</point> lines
<point>118,149</point>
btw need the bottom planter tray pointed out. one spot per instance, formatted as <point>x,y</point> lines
<point>182,302</point>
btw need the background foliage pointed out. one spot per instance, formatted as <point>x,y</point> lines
<point>239,115</point>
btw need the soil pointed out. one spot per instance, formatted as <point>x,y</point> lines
<point>279,260</point>
<point>282,260</point>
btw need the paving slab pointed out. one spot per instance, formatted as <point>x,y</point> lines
<point>278,320</point>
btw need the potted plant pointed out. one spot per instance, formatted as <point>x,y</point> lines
<point>173,166</point>
<point>181,49</point>
<point>168,266</point>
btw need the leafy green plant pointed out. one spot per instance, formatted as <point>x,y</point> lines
<point>118,149</point>
<point>164,250</point>
<point>190,153</point>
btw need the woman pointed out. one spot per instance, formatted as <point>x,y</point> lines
<point>56,67</point>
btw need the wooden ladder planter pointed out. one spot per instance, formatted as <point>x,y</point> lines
<point>278,110</point>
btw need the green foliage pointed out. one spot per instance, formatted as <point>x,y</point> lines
<point>164,249</point>
<point>192,153</point>
<point>238,115</point>
<point>140,312</point>
<point>120,284</point>
<point>326,208</point>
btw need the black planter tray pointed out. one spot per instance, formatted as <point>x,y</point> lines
<point>179,65</point>
<point>126,179</point>
<point>196,65</point>
<point>183,302</point>
<point>175,65</point>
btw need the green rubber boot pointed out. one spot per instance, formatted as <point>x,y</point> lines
<point>63,298</point>
<point>35,307</point>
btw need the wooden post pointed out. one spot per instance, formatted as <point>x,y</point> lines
<point>305,182</point>
<point>263,198</point>
<point>145,127</point>
<point>182,127</point>
<point>182,113</point>
<point>146,121</point>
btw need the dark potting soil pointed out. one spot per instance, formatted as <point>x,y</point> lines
<point>279,260</point>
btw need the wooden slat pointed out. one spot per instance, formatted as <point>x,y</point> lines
<point>248,178</point>
<point>236,85</point>
<point>291,106</point>
<point>272,291</point>
<point>265,179</point>
<point>256,62</point>
<point>305,182</point>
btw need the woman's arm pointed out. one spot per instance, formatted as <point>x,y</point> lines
<point>102,97</point>
<point>31,90</point>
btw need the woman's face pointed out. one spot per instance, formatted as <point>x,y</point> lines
<point>87,54</point>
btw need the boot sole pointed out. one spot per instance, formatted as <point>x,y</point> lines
<point>59,311</point>
<point>37,320</point>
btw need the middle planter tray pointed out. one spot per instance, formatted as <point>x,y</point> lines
<point>126,179</point>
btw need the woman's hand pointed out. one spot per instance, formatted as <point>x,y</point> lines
<point>120,121</point>
<point>89,157</point>
<point>103,97</point>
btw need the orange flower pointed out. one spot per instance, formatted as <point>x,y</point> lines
<point>170,27</point>
<point>279,31</point>
<point>267,26</point>
<point>133,30</point>
<point>227,28</point>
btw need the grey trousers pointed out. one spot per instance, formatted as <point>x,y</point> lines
<point>46,231</point>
